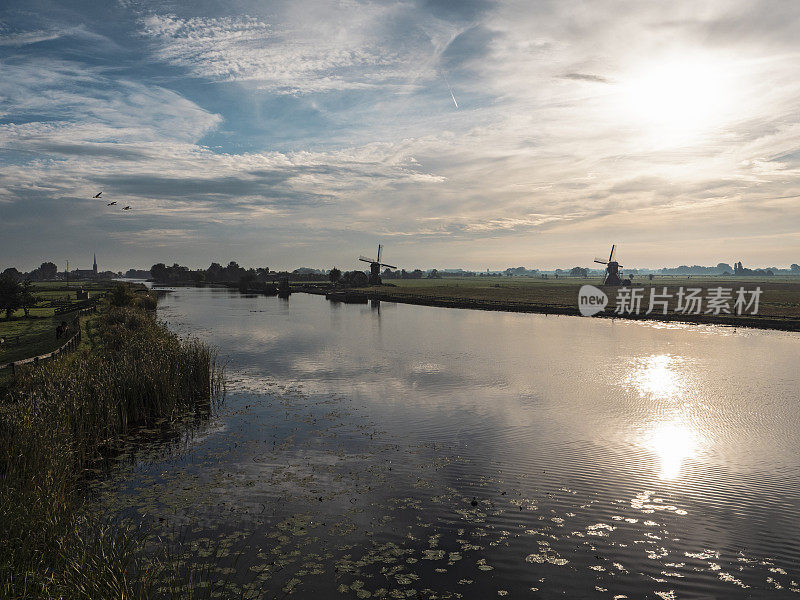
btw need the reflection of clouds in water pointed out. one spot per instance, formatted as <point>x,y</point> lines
<point>505,407</point>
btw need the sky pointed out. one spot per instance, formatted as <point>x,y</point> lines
<point>467,133</point>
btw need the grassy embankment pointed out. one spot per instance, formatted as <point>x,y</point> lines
<point>35,335</point>
<point>60,416</point>
<point>779,306</point>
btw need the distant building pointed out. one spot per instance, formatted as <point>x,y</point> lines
<point>86,273</point>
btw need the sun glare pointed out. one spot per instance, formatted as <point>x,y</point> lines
<point>672,443</point>
<point>658,376</point>
<point>677,101</point>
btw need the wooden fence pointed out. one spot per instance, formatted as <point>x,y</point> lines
<point>70,344</point>
<point>81,306</point>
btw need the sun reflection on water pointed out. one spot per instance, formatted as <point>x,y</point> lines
<point>657,376</point>
<point>664,381</point>
<point>673,443</point>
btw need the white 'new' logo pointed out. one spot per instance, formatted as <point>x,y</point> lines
<point>591,300</point>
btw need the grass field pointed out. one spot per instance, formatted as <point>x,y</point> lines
<point>36,335</point>
<point>779,304</point>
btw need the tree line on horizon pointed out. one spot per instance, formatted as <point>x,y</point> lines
<point>233,273</point>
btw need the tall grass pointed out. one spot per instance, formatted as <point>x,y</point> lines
<point>61,415</point>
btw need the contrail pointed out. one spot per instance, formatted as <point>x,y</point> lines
<point>452,95</point>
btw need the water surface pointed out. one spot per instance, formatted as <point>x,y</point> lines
<point>399,451</point>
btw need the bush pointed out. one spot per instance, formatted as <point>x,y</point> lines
<point>121,295</point>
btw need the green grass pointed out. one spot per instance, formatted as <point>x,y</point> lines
<point>669,280</point>
<point>61,286</point>
<point>66,413</point>
<point>37,334</point>
<point>780,298</point>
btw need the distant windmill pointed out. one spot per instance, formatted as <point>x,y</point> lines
<point>612,269</point>
<point>375,266</point>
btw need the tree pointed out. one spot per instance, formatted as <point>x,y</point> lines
<point>579,272</point>
<point>795,268</point>
<point>10,293</point>
<point>159,272</point>
<point>214,272</point>
<point>48,270</point>
<point>434,274</point>
<point>233,271</point>
<point>246,280</point>
<point>724,267</point>
<point>12,272</point>
<point>335,275</point>
<point>26,297</point>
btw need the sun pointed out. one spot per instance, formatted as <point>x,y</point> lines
<point>679,100</point>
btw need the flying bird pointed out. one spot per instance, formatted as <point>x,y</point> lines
<point>98,195</point>
<point>111,203</point>
<point>127,208</point>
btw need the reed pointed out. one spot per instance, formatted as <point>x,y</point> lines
<point>60,416</point>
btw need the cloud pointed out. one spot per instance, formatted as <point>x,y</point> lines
<point>94,106</point>
<point>332,125</point>
<point>358,51</point>
<point>10,37</point>
<point>585,77</point>
<point>162,238</point>
<point>28,37</point>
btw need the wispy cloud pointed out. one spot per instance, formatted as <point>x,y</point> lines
<point>585,77</point>
<point>28,37</point>
<point>315,55</point>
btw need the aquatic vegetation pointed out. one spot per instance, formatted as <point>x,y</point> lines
<point>62,418</point>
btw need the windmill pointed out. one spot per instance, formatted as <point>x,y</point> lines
<point>375,266</point>
<point>612,275</point>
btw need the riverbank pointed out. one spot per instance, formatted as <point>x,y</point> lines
<point>59,418</point>
<point>779,303</point>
